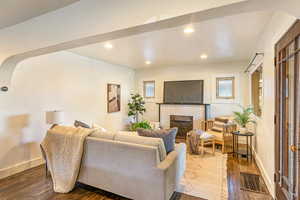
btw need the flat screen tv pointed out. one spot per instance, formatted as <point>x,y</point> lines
<point>183,92</point>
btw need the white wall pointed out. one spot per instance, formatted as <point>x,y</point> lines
<point>206,72</point>
<point>265,140</point>
<point>60,81</point>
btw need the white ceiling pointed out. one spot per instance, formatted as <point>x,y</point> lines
<point>16,11</point>
<point>226,39</point>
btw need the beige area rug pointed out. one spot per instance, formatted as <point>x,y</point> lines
<point>206,176</point>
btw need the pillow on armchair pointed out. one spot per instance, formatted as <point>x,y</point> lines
<point>168,136</point>
<point>219,124</point>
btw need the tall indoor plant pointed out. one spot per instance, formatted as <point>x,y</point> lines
<point>136,106</point>
<point>243,118</point>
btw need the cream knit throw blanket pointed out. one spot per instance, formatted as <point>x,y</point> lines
<point>63,149</point>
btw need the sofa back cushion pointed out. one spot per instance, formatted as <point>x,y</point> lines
<point>98,133</point>
<point>155,142</point>
<point>78,123</point>
<point>168,136</point>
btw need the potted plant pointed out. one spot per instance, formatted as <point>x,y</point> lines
<point>243,118</point>
<point>136,107</point>
<point>142,124</point>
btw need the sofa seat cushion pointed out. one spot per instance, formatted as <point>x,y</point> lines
<point>155,142</point>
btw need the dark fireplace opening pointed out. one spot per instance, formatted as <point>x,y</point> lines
<point>183,123</point>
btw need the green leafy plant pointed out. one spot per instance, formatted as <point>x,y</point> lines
<point>136,106</point>
<point>244,117</point>
<point>142,124</point>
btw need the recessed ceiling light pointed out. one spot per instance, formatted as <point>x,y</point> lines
<point>147,62</point>
<point>108,46</point>
<point>188,30</point>
<point>203,56</point>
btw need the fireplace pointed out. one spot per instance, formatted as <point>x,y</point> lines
<point>183,123</point>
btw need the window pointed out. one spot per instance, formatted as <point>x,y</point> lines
<point>257,90</point>
<point>149,89</point>
<point>225,88</point>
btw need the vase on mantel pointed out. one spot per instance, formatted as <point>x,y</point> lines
<point>243,130</point>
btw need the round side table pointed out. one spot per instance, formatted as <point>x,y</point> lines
<point>235,144</point>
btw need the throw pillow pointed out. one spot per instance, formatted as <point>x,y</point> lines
<point>221,119</point>
<point>78,123</point>
<point>168,136</point>
<point>218,126</point>
<point>148,141</point>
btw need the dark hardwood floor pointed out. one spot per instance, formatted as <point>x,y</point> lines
<point>33,185</point>
<point>234,168</point>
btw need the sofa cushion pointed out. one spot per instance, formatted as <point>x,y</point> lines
<point>168,136</point>
<point>98,133</point>
<point>78,123</point>
<point>156,142</point>
<point>128,133</point>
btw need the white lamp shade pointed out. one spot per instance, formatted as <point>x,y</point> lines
<point>54,117</point>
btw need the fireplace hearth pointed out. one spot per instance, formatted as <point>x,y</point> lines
<point>183,123</point>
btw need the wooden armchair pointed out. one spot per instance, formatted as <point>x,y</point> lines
<point>223,136</point>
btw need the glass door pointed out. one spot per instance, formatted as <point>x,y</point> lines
<point>287,117</point>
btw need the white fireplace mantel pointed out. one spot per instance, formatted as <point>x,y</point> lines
<point>198,111</point>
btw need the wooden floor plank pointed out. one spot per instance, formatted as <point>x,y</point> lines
<point>33,185</point>
<point>234,167</point>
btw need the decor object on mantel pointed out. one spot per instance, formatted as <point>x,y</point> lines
<point>54,117</point>
<point>243,118</point>
<point>136,107</point>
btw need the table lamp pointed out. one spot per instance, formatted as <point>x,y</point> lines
<point>54,117</point>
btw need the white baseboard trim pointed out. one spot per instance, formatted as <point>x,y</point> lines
<point>5,172</point>
<point>270,184</point>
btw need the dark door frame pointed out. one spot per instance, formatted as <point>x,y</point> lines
<point>281,59</point>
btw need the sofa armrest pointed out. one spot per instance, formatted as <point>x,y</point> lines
<point>181,163</point>
<point>168,170</point>
<point>181,149</point>
<point>168,161</point>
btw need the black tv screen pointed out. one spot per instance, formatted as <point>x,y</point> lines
<point>183,92</point>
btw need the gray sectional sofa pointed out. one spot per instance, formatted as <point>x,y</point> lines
<point>132,166</point>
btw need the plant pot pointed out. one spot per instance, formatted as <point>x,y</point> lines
<point>243,130</point>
